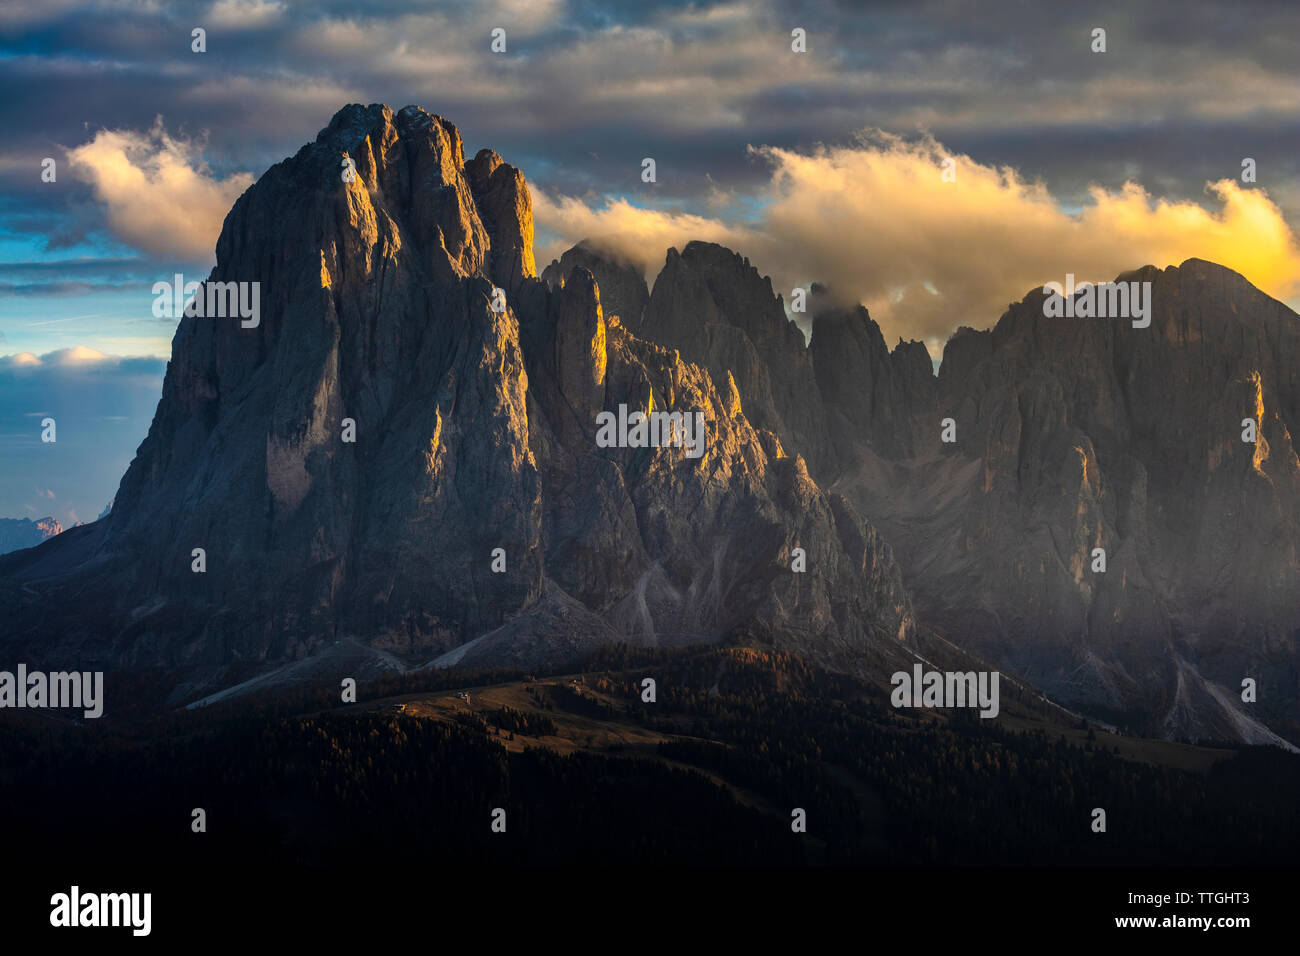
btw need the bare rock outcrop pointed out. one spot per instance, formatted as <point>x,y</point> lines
<point>623,290</point>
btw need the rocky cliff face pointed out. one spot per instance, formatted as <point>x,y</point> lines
<point>1079,434</point>
<point>474,516</point>
<point>715,307</point>
<point>1070,435</point>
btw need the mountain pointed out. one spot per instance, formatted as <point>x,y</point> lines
<point>475,430</point>
<point>401,465</point>
<point>19,533</point>
<point>1071,434</point>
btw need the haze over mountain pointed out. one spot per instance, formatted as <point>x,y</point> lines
<point>475,431</point>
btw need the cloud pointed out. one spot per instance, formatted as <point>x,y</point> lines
<point>243,14</point>
<point>63,365</point>
<point>76,356</point>
<point>641,236</point>
<point>159,195</point>
<point>878,223</point>
<point>24,14</point>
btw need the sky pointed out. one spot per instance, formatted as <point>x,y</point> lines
<point>822,165</point>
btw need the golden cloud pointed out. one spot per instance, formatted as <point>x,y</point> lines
<point>881,224</point>
<point>158,194</point>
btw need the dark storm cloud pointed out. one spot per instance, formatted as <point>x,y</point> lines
<point>1183,93</point>
<point>699,82</point>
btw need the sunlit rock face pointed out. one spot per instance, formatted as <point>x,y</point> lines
<point>474,514</point>
<point>713,306</point>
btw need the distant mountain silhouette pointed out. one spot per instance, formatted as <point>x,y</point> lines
<point>19,533</point>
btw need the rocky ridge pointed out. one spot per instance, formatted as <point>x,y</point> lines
<point>19,533</point>
<point>1071,434</point>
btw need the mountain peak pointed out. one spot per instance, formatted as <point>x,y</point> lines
<point>19,533</point>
